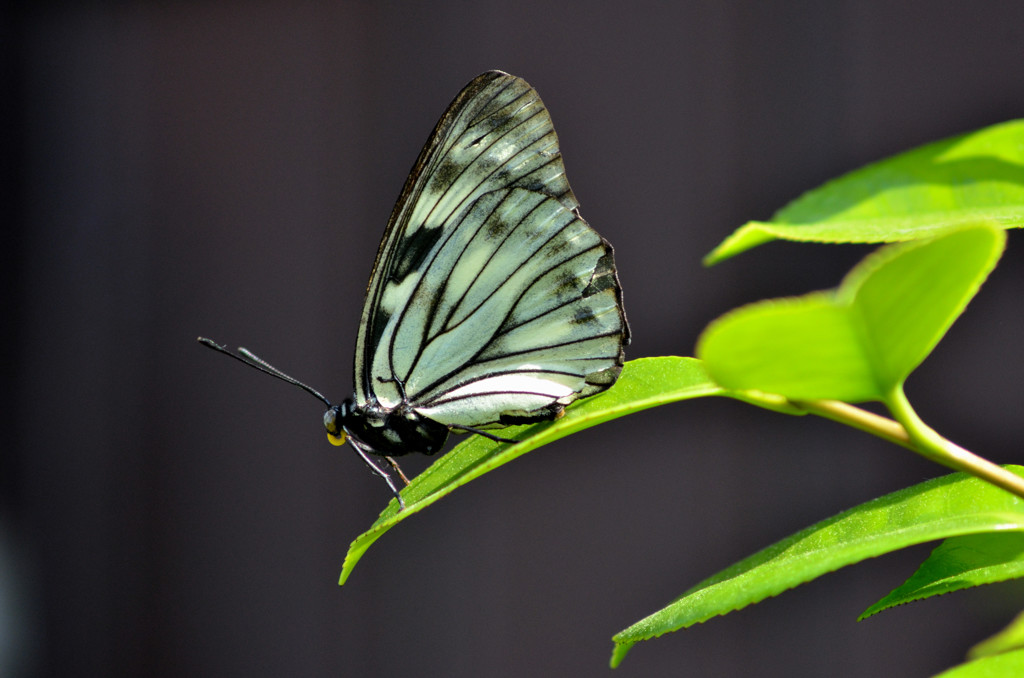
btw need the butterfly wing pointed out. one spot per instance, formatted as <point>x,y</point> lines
<point>491,299</point>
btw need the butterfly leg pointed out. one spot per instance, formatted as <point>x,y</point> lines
<point>364,453</point>
<point>398,469</point>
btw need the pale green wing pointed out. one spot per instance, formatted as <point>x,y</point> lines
<point>491,299</point>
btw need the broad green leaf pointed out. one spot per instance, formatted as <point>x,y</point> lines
<point>958,563</point>
<point>644,383</point>
<point>1009,639</point>
<point>803,348</point>
<point>944,507</point>
<point>859,341</point>
<point>906,296</point>
<point>966,179</point>
<point>1008,665</point>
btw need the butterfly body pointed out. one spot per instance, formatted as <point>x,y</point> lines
<point>385,431</point>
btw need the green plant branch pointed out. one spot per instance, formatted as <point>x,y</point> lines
<point>862,420</point>
<point>910,432</point>
<point>930,444</point>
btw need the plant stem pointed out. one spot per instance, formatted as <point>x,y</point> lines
<point>912,433</point>
<point>930,444</point>
<point>869,422</point>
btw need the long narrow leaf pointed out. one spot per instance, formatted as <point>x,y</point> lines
<point>974,177</point>
<point>959,563</point>
<point>952,505</point>
<point>644,383</point>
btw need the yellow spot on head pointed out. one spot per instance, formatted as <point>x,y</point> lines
<point>336,439</point>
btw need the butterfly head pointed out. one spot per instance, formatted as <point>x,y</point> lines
<point>334,421</point>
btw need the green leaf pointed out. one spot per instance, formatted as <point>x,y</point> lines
<point>966,179</point>
<point>644,383</point>
<point>802,348</point>
<point>959,563</point>
<point>1009,665</point>
<point>855,343</point>
<point>944,507</point>
<point>1009,639</point>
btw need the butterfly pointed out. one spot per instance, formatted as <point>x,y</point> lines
<point>491,301</point>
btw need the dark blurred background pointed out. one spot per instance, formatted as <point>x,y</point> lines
<point>183,168</point>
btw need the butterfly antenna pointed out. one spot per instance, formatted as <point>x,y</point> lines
<point>252,360</point>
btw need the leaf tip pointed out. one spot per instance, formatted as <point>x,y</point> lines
<point>347,567</point>
<point>747,236</point>
<point>619,653</point>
